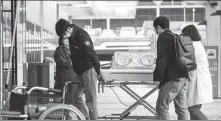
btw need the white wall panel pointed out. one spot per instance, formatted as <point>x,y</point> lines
<point>42,14</point>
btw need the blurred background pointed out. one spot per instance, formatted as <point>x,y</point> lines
<point>112,25</point>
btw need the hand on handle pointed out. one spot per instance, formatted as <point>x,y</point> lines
<point>101,82</point>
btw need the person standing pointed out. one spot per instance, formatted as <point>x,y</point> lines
<point>65,72</point>
<point>200,85</point>
<point>85,61</point>
<point>173,81</point>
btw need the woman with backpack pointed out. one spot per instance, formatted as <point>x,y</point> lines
<point>200,85</point>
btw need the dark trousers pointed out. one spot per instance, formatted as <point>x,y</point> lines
<point>196,113</point>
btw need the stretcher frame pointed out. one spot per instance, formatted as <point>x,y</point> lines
<point>139,100</point>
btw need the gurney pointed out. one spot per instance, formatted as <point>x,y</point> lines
<point>130,68</point>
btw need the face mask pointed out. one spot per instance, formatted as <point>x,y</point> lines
<point>67,35</point>
<point>66,42</point>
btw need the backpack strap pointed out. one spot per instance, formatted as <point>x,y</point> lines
<point>174,35</point>
<point>171,33</point>
<point>175,42</point>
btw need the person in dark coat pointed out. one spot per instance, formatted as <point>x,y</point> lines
<point>65,72</point>
<point>85,62</point>
<point>173,81</point>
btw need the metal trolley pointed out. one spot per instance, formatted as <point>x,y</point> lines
<point>130,68</point>
<point>20,107</point>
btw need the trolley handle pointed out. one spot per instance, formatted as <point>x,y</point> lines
<point>101,85</point>
<point>105,66</point>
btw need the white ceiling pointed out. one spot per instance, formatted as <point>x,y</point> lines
<point>103,9</point>
<point>99,9</point>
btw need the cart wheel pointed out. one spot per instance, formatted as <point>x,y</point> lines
<point>62,112</point>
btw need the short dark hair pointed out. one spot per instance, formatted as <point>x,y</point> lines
<point>61,26</point>
<point>192,32</point>
<point>161,21</point>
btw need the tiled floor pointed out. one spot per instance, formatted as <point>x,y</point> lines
<point>109,104</point>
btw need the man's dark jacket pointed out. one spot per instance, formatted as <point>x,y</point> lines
<point>166,66</point>
<point>82,51</point>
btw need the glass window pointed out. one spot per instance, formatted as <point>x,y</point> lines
<point>199,14</point>
<point>173,14</point>
<point>145,14</point>
<point>82,22</point>
<point>99,23</point>
<point>177,2</point>
<point>6,38</point>
<point>33,42</point>
<point>115,23</point>
<point>166,2</point>
<point>189,14</point>
<point>6,5</point>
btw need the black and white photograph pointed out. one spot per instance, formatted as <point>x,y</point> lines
<point>110,60</point>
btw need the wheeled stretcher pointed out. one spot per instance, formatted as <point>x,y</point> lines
<point>131,74</point>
